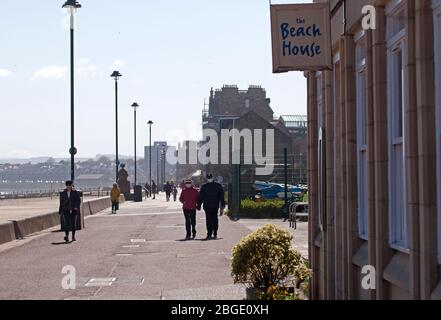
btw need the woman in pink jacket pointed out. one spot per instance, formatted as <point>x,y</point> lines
<point>189,198</point>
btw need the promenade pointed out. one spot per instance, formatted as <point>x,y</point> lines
<point>137,254</point>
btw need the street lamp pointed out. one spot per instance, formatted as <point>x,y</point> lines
<point>157,166</point>
<point>150,123</point>
<point>116,75</point>
<point>72,6</point>
<point>135,106</point>
<point>163,152</point>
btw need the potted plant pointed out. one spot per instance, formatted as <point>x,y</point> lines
<point>264,260</point>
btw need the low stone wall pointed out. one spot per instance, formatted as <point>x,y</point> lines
<point>13,230</point>
<point>7,232</point>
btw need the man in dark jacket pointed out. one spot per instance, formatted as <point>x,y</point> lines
<point>212,198</point>
<point>168,190</point>
<point>70,203</point>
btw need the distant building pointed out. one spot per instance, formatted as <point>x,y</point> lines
<point>162,170</point>
<point>230,103</point>
<point>297,125</point>
<point>231,108</point>
<point>191,165</point>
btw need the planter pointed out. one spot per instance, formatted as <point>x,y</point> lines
<point>251,294</point>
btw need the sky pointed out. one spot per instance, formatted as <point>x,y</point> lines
<point>170,53</point>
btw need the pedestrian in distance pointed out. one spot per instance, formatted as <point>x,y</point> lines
<point>147,190</point>
<point>212,198</point>
<point>175,193</point>
<point>168,190</point>
<point>154,189</point>
<point>189,199</point>
<point>70,202</point>
<point>114,197</point>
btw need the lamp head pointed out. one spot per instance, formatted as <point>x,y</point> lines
<point>116,75</point>
<point>72,6</point>
<point>135,105</point>
<point>150,122</point>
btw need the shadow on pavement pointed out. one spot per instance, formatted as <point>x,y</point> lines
<point>60,243</point>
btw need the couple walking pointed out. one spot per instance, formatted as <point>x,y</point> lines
<point>211,198</point>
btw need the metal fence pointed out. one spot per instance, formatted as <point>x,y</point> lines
<point>244,179</point>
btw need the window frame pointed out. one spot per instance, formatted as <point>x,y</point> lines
<point>319,76</point>
<point>362,147</point>
<point>436,5</point>
<point>398,224</point>
<point>336,64</point>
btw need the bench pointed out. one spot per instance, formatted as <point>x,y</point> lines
<point>297,210</point>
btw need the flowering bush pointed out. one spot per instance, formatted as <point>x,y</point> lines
<point>264,259</point>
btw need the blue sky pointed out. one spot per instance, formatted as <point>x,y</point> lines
<point>170,54</point>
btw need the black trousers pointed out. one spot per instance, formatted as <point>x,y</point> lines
<point>212,221</point>
<point>190,222</point>
<point>115,206</point>
<point>69,223</point>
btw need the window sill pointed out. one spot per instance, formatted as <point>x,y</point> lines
<point>399,248</point>
<point>364,237</point>
<point>397,271</point>
<point>436,294</point>
<point>361,257</point>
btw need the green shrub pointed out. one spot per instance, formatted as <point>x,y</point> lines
<point>265,258</point>
<point>267,209</point>
<point>305,198</point>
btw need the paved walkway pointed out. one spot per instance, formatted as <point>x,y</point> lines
<point>137,254</point>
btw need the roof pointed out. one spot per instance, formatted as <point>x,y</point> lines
<point>276,125</point>
<point>294,118</point>
<point>295,121</point>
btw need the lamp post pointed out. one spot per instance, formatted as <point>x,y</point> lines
<point>150,123</point>
<point>157,167</point>
<point>135,106</point>
<point>72,6</point>
<point>163,164</point>
<point>116,75</point>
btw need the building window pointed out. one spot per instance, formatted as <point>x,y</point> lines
<point>362,162</point>
<point>437,36</point>
<point>247,103</point>
<point>398,223</point>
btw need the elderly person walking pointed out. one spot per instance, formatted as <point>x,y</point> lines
<point>114,195</point>
<point>189,198</point>
<point>212,198</point>
<point>69,210</point>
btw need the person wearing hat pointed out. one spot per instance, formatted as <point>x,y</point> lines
<point>189,198</point>
<point>211,197</point>
<point>114,196</point>
<point>69,210</point>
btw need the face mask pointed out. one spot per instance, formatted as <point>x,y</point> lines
<point>188,185</point>
<point>210,180</point>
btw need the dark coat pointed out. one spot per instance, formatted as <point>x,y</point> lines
<point>67,210</point>
<point>167,188</point>
<point>211,196</point>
